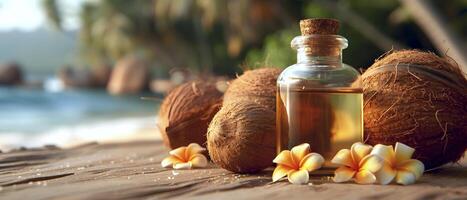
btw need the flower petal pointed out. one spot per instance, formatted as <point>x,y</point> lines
<point>405,177</point>
<point>343,157</point>
<point>359,150</point>
<point>298,177</point>
<point>179,153</point>
<point>403,152</point>
<point>170,161</point>
<point>194,148</point>
<point>182,165</point>
<point>386,174</point>
<point>414,166</point>
<point>284,158</point>
<point>386,152</point>
<point>365,177</point>
<point>311,162</point>
<point>300,151</point>
<point>343,174</point>
<point>372,163</point>
<point>198,160</point>
<point>280,172</point>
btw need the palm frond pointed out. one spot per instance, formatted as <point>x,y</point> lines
<point>53,14</point>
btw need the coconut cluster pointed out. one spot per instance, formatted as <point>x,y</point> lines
<point>241,136</point>
<point>419,99</point>
<point>186,112</point>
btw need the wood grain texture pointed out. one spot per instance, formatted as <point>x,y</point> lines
<point>133,171</point>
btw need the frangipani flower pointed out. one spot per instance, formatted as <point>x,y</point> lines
<point>186,157</point>
<point>357,163</point>
<point>398,164</point>
<point>296,163</point>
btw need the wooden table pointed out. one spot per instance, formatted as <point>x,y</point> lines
<point>132,170</point>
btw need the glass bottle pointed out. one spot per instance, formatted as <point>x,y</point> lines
<point>319,99</point>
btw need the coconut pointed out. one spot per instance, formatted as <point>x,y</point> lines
<point>241,136</point>
<point>255,85</point>
<point>419,99</point>
<point>186,112</point>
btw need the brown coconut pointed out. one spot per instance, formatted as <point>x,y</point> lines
<point>186,112</point>
<point>419,99</point>
<point>255,85</point>
<point>241,137</point>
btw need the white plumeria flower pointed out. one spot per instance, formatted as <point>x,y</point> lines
<point>296,164</point>
<point>186,157</point>
<point>357,164</point>
<point>398,164</point>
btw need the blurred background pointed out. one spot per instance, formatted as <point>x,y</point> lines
<point>75,70</point>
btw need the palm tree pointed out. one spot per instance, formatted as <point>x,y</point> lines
<point>195,34</point>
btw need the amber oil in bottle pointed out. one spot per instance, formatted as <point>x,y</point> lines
<point>319,99</point>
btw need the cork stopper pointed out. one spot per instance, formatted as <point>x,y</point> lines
<point>320,26</point>
<point>319,37</point>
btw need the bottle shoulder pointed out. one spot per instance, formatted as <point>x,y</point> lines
<point>320,76</point>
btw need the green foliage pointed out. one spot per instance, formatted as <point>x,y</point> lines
<point>313,9</point>
<point>275,52</point>
<point>456,13</point>
<point>204,36</point>
<point>216,36</point>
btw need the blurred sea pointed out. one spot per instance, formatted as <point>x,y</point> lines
<point>36,117</point>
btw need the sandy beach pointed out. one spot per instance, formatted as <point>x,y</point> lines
<point>131,170</point>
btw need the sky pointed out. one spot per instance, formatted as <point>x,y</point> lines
<point>28,15</point>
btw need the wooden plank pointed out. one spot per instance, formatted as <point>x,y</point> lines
<point>132,170</point>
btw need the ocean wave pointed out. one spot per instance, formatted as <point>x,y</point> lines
<point>121,129</point>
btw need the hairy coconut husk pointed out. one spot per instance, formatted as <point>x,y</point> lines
<point>241,137</point>
<point>419,99</point>
<point>186,112</point>
<point>255,85</point>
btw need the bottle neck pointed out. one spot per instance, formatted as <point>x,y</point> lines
<point>319,49</point>
<point>304,56</point>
